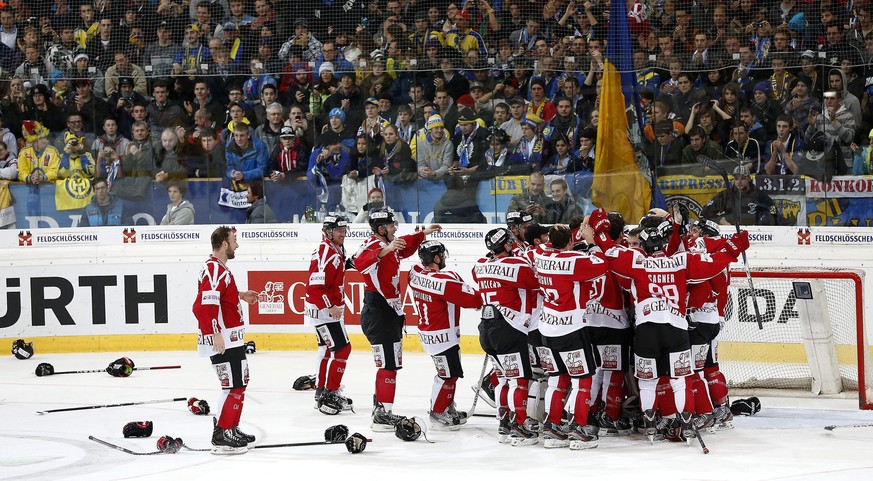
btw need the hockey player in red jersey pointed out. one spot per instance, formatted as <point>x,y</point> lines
<point>566,355</point>
<point>221,335</point>
<point>609,328</point>
<point>382,319</point>
<point>659,289</point>
<point>439,296</point>
<point>706,305</point>
<point>324,306</point>
<point>509,290</point>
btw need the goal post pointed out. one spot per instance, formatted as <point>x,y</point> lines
<point>813,339</point>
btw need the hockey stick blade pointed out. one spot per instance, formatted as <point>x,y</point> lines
<point>700,439</point>
<point>82,408</point>
<point>720,170</point>
<point>121,448</point>
<point>831,428</point>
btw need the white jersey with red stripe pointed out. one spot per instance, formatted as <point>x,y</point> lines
<point>439,297</point>
<point>509,284</point>
<point>606,306</point>
<point>659,283</point>
<point>564,278</point>
<point>327,275</point>
<point>217,308</point>
<point>383,275</point>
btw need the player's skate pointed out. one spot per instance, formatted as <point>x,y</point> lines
<point>384,421</point>
<point>226,441</point>
<point>723,418</point>
<point>504,426</point>
<point>686,420</point>
<point>705,421</point>
<point>319,391</point>
<point>445,421</point>
<point>593,423</point>
<point>650,424</point>
<point>524,434</point>
<point>580,438</point>
<point>462,415</point>
<point>554,436</point>
<point>248,438</point>
<point>610,427</point>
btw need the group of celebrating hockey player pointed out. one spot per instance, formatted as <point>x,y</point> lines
<point>582,319</point>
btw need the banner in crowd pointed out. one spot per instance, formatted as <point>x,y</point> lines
<point>847,201</point>
<point>619,184</point>
<point>73,192</point>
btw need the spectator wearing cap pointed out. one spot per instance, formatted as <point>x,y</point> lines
<point>82,68</point>
<point>530,149</point>
<point>121,103</point>
<point>347,97</point>
<point>432,149</point>
<point>666,150</point>
<point>338,125</point>
<point>517,109</point>
<point>326,84</point>
<point>289,159</point>
<point>837,122</point>
<point>463,38</point>
<point>312,48</point>
<point>123,68</point>
<point>193,54</point>
<point>41,109</point>
<point>539,105</point>
<point>234,43</point>
<point>483,108</point>
<point>470,143</point>
<point>756,207</point>
<point>765,108</point>
<point>378,81</point>
<point>809,68</point>
<point>372,125</point>
<point>161,54</point>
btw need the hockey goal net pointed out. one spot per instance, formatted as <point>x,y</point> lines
<point>813,335</point>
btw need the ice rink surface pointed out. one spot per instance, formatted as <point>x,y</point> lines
<point>785,441</point>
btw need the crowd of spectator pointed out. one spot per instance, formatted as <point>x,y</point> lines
<point>348,95</point>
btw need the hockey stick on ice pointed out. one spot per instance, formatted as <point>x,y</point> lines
<point>46,369</point>
<point>281,445</point>
<point>831,428</point>
<point>717,168</point>
<point>82,408</point>
<point>478,388</point>
<point>122,449</point>
<point>700,438</point>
